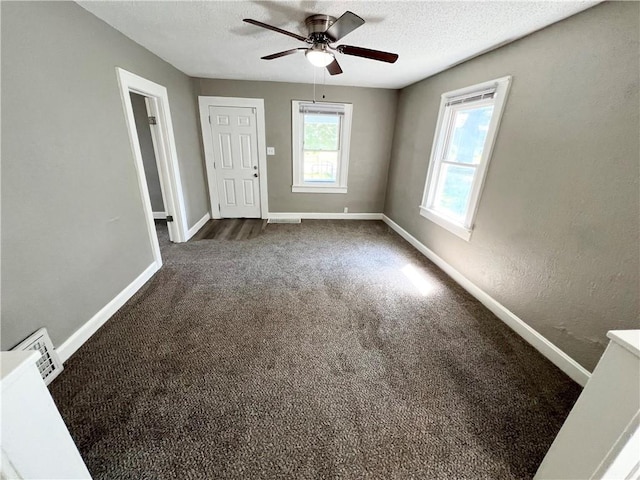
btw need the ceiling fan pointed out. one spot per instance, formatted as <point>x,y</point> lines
<point>325,30</point>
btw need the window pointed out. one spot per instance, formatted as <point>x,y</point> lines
<point>321,134</point>
<point>467,125</point>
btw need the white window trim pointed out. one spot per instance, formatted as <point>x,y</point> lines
<point>299,185</point>
<point>463,229</point>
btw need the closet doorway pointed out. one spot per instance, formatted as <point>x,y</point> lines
<point>134,90</point>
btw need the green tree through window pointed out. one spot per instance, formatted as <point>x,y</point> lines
<point>321,132</point>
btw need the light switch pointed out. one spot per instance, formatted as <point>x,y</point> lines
<point>271,151</point>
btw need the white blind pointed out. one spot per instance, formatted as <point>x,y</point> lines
<point>322,108</point>
<point>472,97</point>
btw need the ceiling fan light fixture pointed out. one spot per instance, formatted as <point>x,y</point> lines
<point>319,57</point>
<point>323,31</point>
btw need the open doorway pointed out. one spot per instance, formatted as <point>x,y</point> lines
<point>159,179</point>
<point>144,122</point>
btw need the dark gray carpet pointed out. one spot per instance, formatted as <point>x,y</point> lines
<point>231,229</point>
<point>306,352</point>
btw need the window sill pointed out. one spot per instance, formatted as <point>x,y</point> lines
<point>455,228</point>
<point>317,189</point>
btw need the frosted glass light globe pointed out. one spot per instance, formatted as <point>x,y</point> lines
<point>319,58</point>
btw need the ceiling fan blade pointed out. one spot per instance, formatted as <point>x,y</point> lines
<point>334,68</point>
<point>275,29</point>
<point>368,53</point>
<point>342,27</point>
<point>282,54</point>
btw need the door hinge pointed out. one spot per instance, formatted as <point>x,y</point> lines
<point>209,119</point>
<point>169,218</point>
<point>152,121</point>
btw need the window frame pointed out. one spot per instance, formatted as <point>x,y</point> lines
<point>441,141</point>
<point>297,134</point>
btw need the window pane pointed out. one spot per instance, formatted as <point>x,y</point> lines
<point>470,127</point>
<point>320,166</point>
<point>321,132</point>
<point>454,188</point>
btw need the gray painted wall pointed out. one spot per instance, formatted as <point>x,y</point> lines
<point>374,112</point>
<point>73,228</point>
<point>148,153</point>
<point>556,235</point>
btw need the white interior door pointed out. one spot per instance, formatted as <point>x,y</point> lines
<point>235,150</point>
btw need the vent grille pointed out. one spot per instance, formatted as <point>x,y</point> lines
<point>284,220</point>
<point>49,363</point>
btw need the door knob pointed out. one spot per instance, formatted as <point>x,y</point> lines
<point>255,167</point>
<point>255,175</point>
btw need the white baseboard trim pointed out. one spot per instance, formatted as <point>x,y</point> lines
<point>559,358</point>
<point>75,341</point>
<point>199,224</point>
<point>326,216</point>
<point>159,215</point>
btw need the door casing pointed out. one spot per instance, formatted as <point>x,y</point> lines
<point>157,102</point>
<point>204,103</point>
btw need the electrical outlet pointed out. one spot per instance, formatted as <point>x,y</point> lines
<point>271,151</point>
<point>346,210</point>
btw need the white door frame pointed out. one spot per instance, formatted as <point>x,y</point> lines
<point>166,155</point>
<point>204,103</point>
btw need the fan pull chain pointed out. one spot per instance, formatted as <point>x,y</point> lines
<point>314,84</point>
<point>324,83</point>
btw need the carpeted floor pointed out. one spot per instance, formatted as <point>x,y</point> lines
<point>327,349</point>
<point>231,229</point>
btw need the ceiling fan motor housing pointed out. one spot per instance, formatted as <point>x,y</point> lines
<point>317,25</point>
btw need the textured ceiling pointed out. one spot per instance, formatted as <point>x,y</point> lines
<point>209,39</point>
